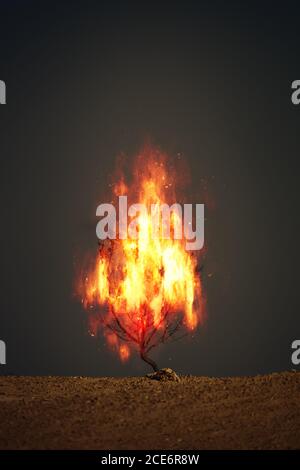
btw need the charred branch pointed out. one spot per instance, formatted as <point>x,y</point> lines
<point>149,361</point>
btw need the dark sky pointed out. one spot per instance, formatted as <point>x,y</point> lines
<point>88,80</point>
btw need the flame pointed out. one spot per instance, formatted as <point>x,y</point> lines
<point>146,282</point>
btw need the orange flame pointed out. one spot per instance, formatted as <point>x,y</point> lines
<point>144,281</point>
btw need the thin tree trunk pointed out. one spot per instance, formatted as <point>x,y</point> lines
<point>149,361</point>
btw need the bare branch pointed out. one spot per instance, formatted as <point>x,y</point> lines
<point>123,338</point>
<point>135,340</point>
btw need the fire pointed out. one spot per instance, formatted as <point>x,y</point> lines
<point>139,289</point>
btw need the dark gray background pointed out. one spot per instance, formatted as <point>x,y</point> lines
<point>88,80</point>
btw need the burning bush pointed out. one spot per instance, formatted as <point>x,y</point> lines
<point>143,291</point>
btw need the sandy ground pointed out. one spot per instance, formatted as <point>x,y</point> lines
<point>260,412</point>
